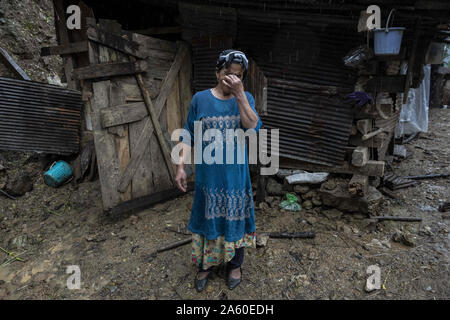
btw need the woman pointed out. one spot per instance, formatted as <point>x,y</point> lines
<point>222,218</point>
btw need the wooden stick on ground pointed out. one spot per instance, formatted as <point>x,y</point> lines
<point>286,235</point>
<point>408,219</point>
<point>174,245</point>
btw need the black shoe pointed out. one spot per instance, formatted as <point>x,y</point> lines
<point>200,285</point>
<point>232,282</point>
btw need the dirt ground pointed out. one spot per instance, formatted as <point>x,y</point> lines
<point>52,229</point>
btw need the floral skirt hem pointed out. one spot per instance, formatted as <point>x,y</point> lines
<point>209,253</point>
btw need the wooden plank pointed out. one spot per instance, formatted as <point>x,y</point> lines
<point>105,148</point>
<point>149,200</point>
<point>156,125</point>
<point>372,168</point>
<point>393,84</point>
<point>104,70</point>
<point>159,30</point>
<point>173,108</point>
<point>115,42</point>
<point>60,21</point>
<point>117,97</point>
<point>147,130</point>
<point>12,65</point>
<point>411,60</point>
<point>66,49</point>
<point>174,112</point>
<point>122,114</point>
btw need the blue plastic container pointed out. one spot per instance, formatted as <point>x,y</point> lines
<point>58,173</point>
<point>387,41</point>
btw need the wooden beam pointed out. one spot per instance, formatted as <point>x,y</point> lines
<point>392,84</point>
<point>60,21</point>
<point>159,30</point>
<point>147,201</point>
<point>71,48</point>
<point>412,57</point>
<point>123,114</point>
<point>372,168</point>
<point>104,70</point>
<point>155,120</point>
<point>147,130</point>
<point>115,42</point>
<point>12,65</point>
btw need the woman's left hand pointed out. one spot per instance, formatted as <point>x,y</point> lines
<point>234,83</point>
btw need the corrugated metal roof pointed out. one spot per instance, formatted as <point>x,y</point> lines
<point>295,57</point>
<point>39,117</point>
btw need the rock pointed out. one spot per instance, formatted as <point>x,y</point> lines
<point>386,243</point>
<point>274,188</point>
<point>341,199</point>
<point>346,229</point>
<point>18,242</point>
<point>405,238</point>
<point>261,240</point>
<point>309,195</point>
<point>302,189</point>
<point>316,201</point>
<point>332,214</point>
<point>263,206</point>
<point>311,220</point>
<point>375,243</point>
<point>329,185</point>
<point>307,205</point>
<point>19,184</point>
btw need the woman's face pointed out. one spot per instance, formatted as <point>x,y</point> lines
<point>236,69</point>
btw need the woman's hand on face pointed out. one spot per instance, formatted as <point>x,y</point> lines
<point>181,179</point>
<point>234,83</point>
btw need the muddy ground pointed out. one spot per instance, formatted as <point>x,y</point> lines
<point>55,228</point>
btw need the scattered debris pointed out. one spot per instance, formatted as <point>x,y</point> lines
<point>395,182</point>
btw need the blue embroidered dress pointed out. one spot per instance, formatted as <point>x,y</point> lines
<point>223,209</point>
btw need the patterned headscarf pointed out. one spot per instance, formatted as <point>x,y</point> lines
<point>232,56</point>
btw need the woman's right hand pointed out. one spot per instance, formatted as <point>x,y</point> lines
<point>181,179</point>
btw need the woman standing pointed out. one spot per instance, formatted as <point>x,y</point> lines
<point>222,218</point>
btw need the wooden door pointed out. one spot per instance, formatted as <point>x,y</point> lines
<point>130,159</point>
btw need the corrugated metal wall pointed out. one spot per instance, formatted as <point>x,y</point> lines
<point>39,117</point>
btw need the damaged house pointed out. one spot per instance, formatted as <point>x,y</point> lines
<point>135,65</point>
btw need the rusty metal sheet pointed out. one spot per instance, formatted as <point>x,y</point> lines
<point>39,117</point>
